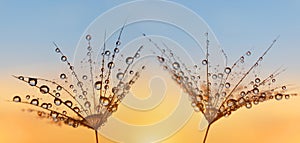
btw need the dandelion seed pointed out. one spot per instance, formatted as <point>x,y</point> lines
<point>93,98</point>
<point>220,97</point>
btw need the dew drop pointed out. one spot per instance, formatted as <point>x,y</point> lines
<point>283,87</point>
<point>118,43</point>
<point>63,76</point>
<point>248,53</point>
<point>248,105</point>
<point>120,76</point>
<point>44,89</point>
<point>255,91</point>
<point>84,77</point>
<point>227,70</point>
<point>58,88</point>
<point>227,85</point>
<point>214,76</point>
<point>176,65</point>
<point>111,65</point>
<point>21,78</point>
<point>57,101</point>
<point>34,102</point>
<point>287,96</point>
<point>57,50</point>
<point>44,105</point>
<point>104,101</point>
<point>204,62</point>
<point>107,53</point>
<point>98,85</point>
<point>273,80</point>
<point>88,37</point>
<point>116,50</point>
<point>257,80</point>
<point>53,114</point>
<point>27,97</point>
<point>64,112</point>
<point>68,103</point>
<point>32,81</point>
<point>242,93</point>
<point>131,72</point>
<point>160,59</point>
<point>63,58</point>
<point>87,104</point>
<point>129,60</point>
<point>17,99</point>
<point>278,96</point>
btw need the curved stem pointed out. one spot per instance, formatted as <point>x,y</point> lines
<point>96,134</point>
<point>206,133</point>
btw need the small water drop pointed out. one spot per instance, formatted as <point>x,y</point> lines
<point>63,76</point>
<point>257,80</point>
<point>58,88</point>
<point>227,70</point>
<point>204,62</point>
<point>248,53</point>
<point>111,65</point>
<point>44,105</point>
<point>242,93</point>
<point>27,97</point>
<point>176,65</point>
<point>68,103</point>
<point>34,102</point>
<point>129,60</point>
<point>116,50</point>
<point>160,59</point>
<point>17,99</point>
<point>104,101</point>
<point>88,37</point>
<point>287,96</point>
<point>118,43</point>
<point>21,78</point>
<point>283,87</point>
<point>76,109</point>
<point>44,89</point>
<point>32,81</point>
<point>57,101</point>
<point>63,58</point>
<point>84,77</point>
<point>255,91</point>
<point>107,53</point>
<point>57,50</point>
<point>87,104</point>
<point>120,75</point>
<point>227,85</point>
<point>98,85</point>
<point>248,105</point>
<point>278,96</point>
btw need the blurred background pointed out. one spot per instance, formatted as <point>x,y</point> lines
<point>28,28</point>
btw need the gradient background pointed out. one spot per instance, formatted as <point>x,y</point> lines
<point>28,27</point>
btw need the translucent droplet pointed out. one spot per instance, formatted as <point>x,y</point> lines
<point>283,87</point>
<point>118,43</point>
<point>63,58</point>
<point>120,75</point>
<point>27,97</point>
<point>116,50</point>
<point>104,101</point>
<point>17,99</point>
<point>76,109</point>
<point>63,76</point>
<point>255,91</point>
<point>227,70</point>
<point>53,114</point>
<point>204,62</point>
<point>227,85</point>
<point>287,96</point>
<point>248,53</point>
<point>88,37</point>
<point>257,80</point>
<point>44,89</point>
<point>57,101</point>
<point>21,78</point>
<point>68,103</point>
<point>107,53</point>
<point>176,65</point>
<point>248,105</point>
<point>98,85</point>
<point>44,105</point>
<point>58,88</point>
<point>214,76</point>
<point>87,104</point>
<point>34,102</point>
<point>111,65</point>
<point>32,81</point>
<point>131,72</point>
<point>129,60</point>
<point>84,77</point>
<point>160,59</point>
<point>57,50</point>
<point>64,112</point>
<point>278,96</point>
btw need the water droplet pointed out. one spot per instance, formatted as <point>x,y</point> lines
<point>137,55</point>
<point>32,81</point>
<point>129,60</point>
<point>84,77</point>
<point>257,80</point>
<point>214,76</point>
<point>68,103</point>
<point>44,89</point>
<point>88,37</point>
<point>64,112</point>
<point>120,75</point>
<point>131,72</point>
<point>53,114</point>
<point>118,43</point>
<point>255,91</point>
<point>63,76</point>
<point>283,87</point>
<point>287,96</point>
<point>63,58</point>
<point>21,78</point>
<point>34,102</point>
<point>227,70</point>
<point>57,50</point>
<point>116,50</point>
<point>227,85</point>
<point>176,65</point>
<point>248,105</point>
<point>84,93</point>
<point>104,101</point>
<point>204,62</point>
<point>278,96</point>
<point>111,65</point>
<point>248,53</point>
<point>98,85</point>
<point>76,109</point>
<point>58,88</point>
<point>242,93</point>
<point>44,105</point>
<point>160,59</point>
<point>57,101</point>
<point>17,99</point>
<point>27,97</point>
<point>107,53</point>
<point>87,104</point>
